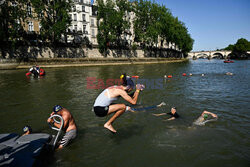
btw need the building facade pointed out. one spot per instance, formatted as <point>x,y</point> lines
<point>83,23</point>
<point>31,24</point>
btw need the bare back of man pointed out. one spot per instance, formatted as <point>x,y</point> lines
<point>69,125</point>
<point>69,122</point>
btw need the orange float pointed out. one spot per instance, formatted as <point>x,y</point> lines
<point>135,76</point>
<point>170,76</point>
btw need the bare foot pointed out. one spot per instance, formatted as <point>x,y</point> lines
<point>109,127</point>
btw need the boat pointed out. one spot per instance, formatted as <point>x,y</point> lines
<point>228,61</point>
<point>29,150</point>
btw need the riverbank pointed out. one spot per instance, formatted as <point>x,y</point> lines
<point>77,62</point>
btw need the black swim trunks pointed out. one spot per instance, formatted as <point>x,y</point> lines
<point>101,111</point>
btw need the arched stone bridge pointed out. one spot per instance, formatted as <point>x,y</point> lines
<point>211,54</point>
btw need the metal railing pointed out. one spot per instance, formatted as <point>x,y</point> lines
<point>59,130</point>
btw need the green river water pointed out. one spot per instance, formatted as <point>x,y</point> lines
<point>142,140</point>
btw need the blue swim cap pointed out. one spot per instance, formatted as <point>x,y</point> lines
<point>26,129</point>
<point>57,108</point>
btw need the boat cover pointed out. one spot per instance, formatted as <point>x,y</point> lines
<point>21,151</point>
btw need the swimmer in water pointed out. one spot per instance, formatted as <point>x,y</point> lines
<point>103,104</point>
<point>27,130</point>
<point>229,73</point>
<point>173,114</point>
<point>205,117</point>
<point>69,126</point>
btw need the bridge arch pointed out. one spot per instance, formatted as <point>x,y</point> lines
<point>202,55</point>
<point>217,55</point>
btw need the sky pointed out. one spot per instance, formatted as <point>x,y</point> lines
<point>213,24</point>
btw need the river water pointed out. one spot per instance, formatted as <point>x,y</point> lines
<point>142,140</point>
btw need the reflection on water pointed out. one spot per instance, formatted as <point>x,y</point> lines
<point>142,139</point>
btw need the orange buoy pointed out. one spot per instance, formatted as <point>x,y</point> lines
<point>28,74</point>
<point>135,76</point>
<point>184,74</point>
<point>170,76</point>
<point>42,72</point>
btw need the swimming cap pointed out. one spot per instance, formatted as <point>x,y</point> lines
<point>205,116</point>
<point>57,108</point>
<point>26,129</point>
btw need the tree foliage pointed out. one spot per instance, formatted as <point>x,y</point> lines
<point>240,48</point>
<point>54,18</point>
<point>154,22</point>
<point>12,14</point>
<point>52,14</point>
<point>112,23</point>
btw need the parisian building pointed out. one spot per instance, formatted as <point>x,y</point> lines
<point>83,25</point>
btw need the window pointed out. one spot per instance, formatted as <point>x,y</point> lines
<point>83,8</point>
<point>84,29</point>
<point>74,8</point>
<point>30,26</point>
<point>75,27</point>
<point>93,32</point>
<point>92,22</point>
<point>29,10</point>
<point>83,17</point>
<point>81,1</point>
<point>75,17</point>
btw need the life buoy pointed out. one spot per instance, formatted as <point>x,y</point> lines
<point>135,76</point>
<point>228,61</point>
<point>28,74</point>
<point>41,72</point>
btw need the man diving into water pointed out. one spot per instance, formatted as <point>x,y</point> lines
<point>103,104</point>
<point>205,117</point>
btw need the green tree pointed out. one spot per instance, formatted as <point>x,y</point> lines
<point>12,15</point>
<point>241,46</point>
<point>105,35</point>
<point>121,21</point>
<point>229,47</point>
<point>54,18</point>
<point>239,50</point>
<point>166,25</point>
<point>154,22</point>
<point>142,21</point>
<point>113,23</point>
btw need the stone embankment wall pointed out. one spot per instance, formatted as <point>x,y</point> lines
<point>34,52</point>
